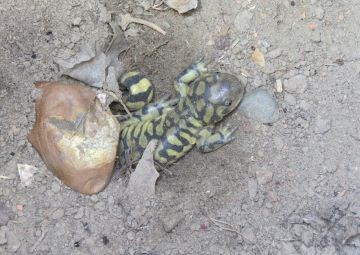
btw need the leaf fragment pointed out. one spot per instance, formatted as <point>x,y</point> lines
<point>182,6</point>
<point>26,173</point>
<point>142,181</point>
<point>258,57</point>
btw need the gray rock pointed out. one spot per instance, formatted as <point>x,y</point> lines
<point>171,221</point>
<point>296,84</point>
<point>322,126</point>
<point>253,187</point>
<point>242,21</point>
<point>260,105</point>
<point>5,214</point>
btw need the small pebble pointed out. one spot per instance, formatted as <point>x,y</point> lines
<point>322,126</point>
<point>171,221</point>
<point>76,21</point>
<point>55,187</point>
<point>278,86</point>
<point>264,176</point>
<point>94,198</point>
<point>105,240</point>
<point>130,236</point>
<point>260,105</point>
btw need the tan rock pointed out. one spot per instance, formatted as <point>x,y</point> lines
<point>75,136</point>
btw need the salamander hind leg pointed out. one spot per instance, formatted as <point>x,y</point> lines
<point>174,145</point>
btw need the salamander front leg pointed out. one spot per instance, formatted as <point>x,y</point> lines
<point>209,141</point>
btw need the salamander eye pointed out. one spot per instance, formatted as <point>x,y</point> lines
<point>228,102</point>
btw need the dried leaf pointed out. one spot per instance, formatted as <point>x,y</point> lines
<point>91,72</point>
<point>26,173</point>
<point>258,58</point>
<point>142,181</point>
<point>92,68</point>
<point>86,53</point>
<point>182,6</point>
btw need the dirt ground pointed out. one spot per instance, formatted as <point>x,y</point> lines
<point>291,187</point>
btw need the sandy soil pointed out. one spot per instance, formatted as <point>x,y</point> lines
<point>287,188</point>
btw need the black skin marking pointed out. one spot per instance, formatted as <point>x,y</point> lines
<point>132,80</point>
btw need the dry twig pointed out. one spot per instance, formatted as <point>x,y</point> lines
<point>127,19</point>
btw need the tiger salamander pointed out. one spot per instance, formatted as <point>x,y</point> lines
<point>205,97</point>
